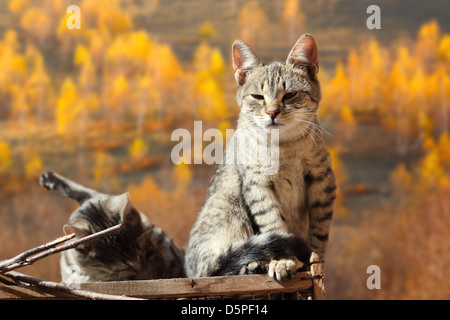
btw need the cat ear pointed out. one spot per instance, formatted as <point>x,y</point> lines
<point>304,53</point>
<point>79,227</point>
<point>244,59</point>
<point>122,205</point>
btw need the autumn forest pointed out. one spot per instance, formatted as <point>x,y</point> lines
<point>99,104</point>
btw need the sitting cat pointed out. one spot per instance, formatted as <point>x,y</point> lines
<point>140,251</point>
<point>253,221</point>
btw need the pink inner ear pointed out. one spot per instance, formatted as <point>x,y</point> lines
<point>237,59</point>
<point>239,75</point>
<point>69,229</point>
<point>305,52</point>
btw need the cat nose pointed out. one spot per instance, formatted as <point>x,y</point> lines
<point>273,113</point>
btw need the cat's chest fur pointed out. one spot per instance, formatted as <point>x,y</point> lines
<point>288,189</point>
<point>287,186</point>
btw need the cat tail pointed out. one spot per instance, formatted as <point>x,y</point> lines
<point>262,247</point>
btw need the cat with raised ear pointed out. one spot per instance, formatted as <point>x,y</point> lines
<point>253,221</point>
<point>140,250</point>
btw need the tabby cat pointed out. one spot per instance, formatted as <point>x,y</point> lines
<point>140,251</point>
<point>253,222</point>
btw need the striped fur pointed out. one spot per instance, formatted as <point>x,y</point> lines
<point>140,251</point>
<point>244,205</point>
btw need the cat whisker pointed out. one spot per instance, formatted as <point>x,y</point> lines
<point>315,125</point>
<point>310,128</point>
<point>319,135</point>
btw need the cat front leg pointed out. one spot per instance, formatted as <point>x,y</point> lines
<point>267,217</point>
<point>68,188</point>
<point>264,210</point>
<point>321,195</point>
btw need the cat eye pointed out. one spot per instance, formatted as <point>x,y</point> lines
<point>257,96</point>
<point>289,96</point>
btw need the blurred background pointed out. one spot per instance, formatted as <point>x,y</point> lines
<point>99,104</point>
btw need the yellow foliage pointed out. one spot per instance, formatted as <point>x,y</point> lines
<point>147,194</point>
<point>18,6</point>
<point>206,30</point>
<point>88,76</point>
<point>81,55</point>
<point>102,167</point>
<point>113,19</point>
<point>91,102</point>
<point>340,79</point>
<point>120,87</point>
<point>165,64</point>
<point>251,21</point>
<point>401,179</point>
<point>375,54</point>
<point>5,157</point>
<point>291,10</point>
<point>138,149</point>
<point>432,173</point>
<point>129,48</point>
<point>339,173</point>
<point>33,167</point>
<point>18,65</point>
<point>66,114</point>
<point>202,56</point>
<point>347,117</point>
<point>217,65</point>
<point>428,39</point>
<point>211,99</point>
<point>36,22</point>
<point>425,124</point>
<point>409,95</point>
<point>444,48</point>
<point>181,176</point>
<point>443,149</point>
<point>20,106</point>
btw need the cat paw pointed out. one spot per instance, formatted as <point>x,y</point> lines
<point>283,269</point>
<point>255,267</point>
<point>48,180</point>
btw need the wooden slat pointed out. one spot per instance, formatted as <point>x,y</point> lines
<point>174,288</point>
<point>317,272</point>
<point>211,287</point>
<point>22,292</point>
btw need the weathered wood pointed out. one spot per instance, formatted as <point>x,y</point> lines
<point>25,292</point>
<point>214,287</point>
<point>317,273</point>
<point>63,288</point>
<point>200,287</point>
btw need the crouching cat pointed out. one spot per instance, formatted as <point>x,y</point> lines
<point>253,221</point>
<point>140,251</point>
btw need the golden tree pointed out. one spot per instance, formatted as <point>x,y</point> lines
<point>38,86</point>
<point>67,108</point>
<point>138,149</point>
<point>5,157</point>
<point>293,20</point>
<point>37,24</point>
<point>427,45</point>
<point>252,19</point>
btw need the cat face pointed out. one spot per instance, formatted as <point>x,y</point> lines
<point>284,96</point>
<point>110,257</point>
